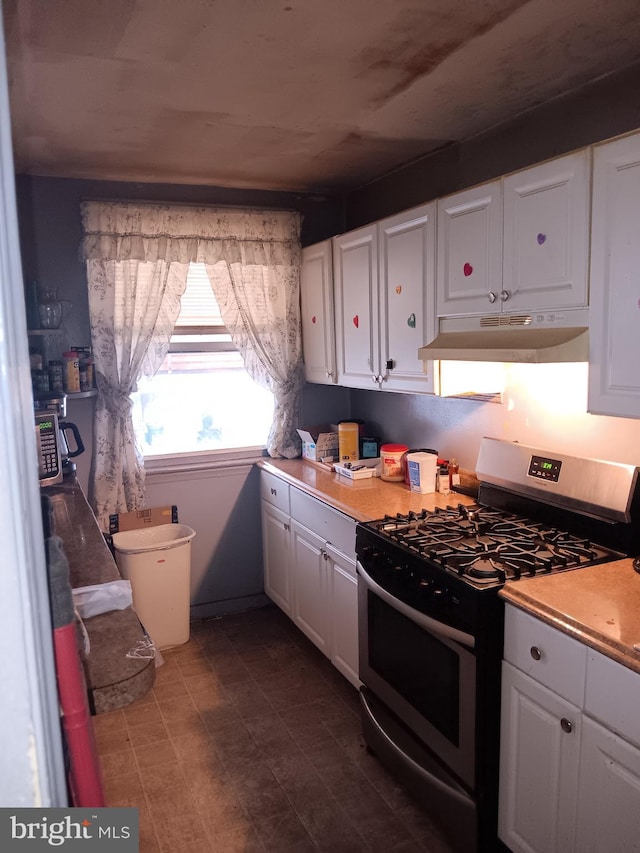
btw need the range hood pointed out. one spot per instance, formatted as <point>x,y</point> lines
<point>543,337</point>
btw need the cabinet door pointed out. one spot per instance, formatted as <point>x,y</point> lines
<point>407,298</point>
<point>343,613</point>
<point>310,593</point>
<point>546,235</point>
<point>609,794</point>
<point>614,343</point>
<point>316,298</point>
<point>469,269</point>
<point>539,761</point>
<point>276,539</point>
<point>355,275</point>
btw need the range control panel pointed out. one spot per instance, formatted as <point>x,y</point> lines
<point>543,468</point>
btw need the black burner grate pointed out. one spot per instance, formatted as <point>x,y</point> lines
<point>485,545</point>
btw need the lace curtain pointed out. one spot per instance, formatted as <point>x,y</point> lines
<point>137,258</point>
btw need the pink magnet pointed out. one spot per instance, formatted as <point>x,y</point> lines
<point>313,319</point>
<point>467,269</point>
<point>356,321</point>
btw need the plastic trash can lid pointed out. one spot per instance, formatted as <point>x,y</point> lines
<point>158,538</point>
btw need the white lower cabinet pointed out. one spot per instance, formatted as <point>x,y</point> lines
<point>310,589</point>
<point>276,539</point>
<point>570,745</point>
<point>539,766</point>
<point>344,613</point>
<point>314,582</point>
<point>609,795</point>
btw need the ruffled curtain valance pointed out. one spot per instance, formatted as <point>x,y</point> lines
<point>118,231</point>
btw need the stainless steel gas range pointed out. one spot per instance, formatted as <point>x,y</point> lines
<point>431,620</point>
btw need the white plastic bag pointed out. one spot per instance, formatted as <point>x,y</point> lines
<point>102,597</point>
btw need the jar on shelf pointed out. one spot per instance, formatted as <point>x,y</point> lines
<point>71,378</point>
<point>49,308</point>
<point>56,375</point>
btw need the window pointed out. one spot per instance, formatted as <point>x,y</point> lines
<point>201,398</point>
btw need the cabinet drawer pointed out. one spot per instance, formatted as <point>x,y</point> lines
<point>275,491</point>
<point>546,654</point>
<point>613,696</point>
<point>326,522</point>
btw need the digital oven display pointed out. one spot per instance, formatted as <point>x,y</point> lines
<point>545,469</point>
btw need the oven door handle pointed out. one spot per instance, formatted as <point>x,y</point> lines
<point>426,622</point>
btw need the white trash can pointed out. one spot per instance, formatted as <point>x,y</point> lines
<point>157,562</point>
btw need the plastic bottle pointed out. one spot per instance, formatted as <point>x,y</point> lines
<point>348,442</point>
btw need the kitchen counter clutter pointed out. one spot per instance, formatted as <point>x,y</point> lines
<point>362,500</point>
<point>113,679</point>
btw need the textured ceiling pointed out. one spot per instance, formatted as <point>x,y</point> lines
<point>287,94</point>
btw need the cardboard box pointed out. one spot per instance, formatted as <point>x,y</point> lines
<point>119,522</point>
<point>319,441</point>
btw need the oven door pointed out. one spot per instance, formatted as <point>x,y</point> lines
<point>423,671</point>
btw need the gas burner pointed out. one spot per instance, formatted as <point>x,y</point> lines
<point>484,545</point>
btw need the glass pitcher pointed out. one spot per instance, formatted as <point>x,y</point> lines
<point>49,308</point>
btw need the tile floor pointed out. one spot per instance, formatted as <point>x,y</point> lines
<point>250,741</point>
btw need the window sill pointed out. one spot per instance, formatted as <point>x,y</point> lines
<point>202,460</point>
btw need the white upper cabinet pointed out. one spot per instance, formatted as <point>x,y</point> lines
<point>355,278</point>
<point>614,342</point>
<point>318,324</point>
<point>546,235</point>
<point>518,244</point>
<point>469,278</point>
<point>407,297</point>
<point>384,299</point>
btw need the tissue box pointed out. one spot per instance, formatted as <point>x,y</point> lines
<point>319,441</point>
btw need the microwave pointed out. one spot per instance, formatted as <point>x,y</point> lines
<point>48,444</point>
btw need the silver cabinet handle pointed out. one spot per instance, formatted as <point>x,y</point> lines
<point>504,295</point>
<point>491,297</point>
<point>286,526</point>
<point>536,653</point>
<point>566,725</point>
<point>329,374</point>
